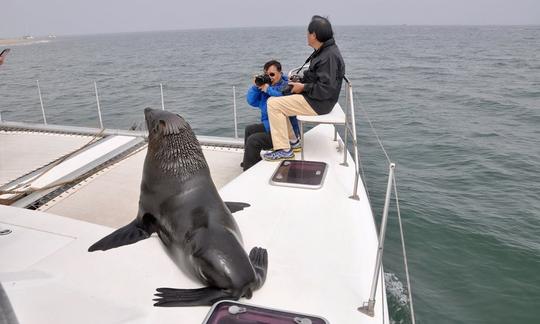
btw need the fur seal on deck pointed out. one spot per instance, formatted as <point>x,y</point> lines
<point>180,202</point>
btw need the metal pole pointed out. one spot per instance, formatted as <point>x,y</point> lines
<point>234,107</point>
<point>355,145</point>
<point>98,106</point>
<point>41,101</point>
<point>302,139</point>
<point>369,307</point>
<point>162,102</point>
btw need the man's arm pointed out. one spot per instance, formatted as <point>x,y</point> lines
<point>253,96</point>
<point>327,84</point>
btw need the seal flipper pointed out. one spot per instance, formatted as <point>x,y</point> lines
<point>170,297</point>
<point>129,234</point>
<point>259,260</point>
<point>236,206</point>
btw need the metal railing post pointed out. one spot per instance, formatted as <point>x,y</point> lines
<point>355,145</point>
<point>369,307</point>
<point>98,106</point>
<point>41,102</point>
<point>234,108</point>
<point>347,121</point>
<point>162,101</point>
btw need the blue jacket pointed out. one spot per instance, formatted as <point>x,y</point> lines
<point>257,98</point>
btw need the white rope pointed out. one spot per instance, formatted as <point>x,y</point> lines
<point>373,129</point>
<point>405,261</point>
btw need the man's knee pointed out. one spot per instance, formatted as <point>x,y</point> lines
<point>271,104</point>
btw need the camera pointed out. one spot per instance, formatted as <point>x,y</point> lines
<point>262,79</point>
<point>287,90</point>
<point>295,78</point>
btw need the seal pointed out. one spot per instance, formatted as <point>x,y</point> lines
<point>180,203</point>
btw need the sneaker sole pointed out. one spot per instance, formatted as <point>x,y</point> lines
<point>280,159</point>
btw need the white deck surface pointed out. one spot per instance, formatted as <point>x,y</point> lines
<point>321,247</point>
<point>111,197</point>
<point>23,152</point>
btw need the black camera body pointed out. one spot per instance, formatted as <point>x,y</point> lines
<point>287,90</point>
<point>262,79</point>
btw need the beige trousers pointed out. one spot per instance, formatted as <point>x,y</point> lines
<point>279,111</point>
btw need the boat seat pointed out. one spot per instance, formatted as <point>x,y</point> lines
<point>334,117</point>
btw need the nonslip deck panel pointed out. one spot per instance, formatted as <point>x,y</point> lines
<point>111,196</point>
<point>24,152</point>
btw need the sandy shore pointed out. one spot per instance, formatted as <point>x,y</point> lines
<point>17,41</point>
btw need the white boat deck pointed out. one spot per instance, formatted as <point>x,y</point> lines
<point>23,152</point>
<point>321,246</point>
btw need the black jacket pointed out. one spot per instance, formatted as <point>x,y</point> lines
<point>322,81</point>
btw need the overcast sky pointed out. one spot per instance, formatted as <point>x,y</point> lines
<point>61,17</point>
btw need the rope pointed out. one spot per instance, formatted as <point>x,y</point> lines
<point>405,261</point>
<point>372,128</point>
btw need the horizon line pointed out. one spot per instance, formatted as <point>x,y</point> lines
<point>258,27</point>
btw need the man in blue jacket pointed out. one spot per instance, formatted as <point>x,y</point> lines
<point>257,136</point>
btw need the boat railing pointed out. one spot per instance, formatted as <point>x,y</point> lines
<point>368,307</point>
<point>98,106</point>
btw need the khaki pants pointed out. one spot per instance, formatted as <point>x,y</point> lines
<point>279,111</point>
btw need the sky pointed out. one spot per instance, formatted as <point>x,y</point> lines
<point>75,17</point>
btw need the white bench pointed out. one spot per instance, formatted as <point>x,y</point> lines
<point>334,117</point>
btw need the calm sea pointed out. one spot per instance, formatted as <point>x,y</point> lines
<point>457,108</point>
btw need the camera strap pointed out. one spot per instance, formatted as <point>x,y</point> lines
<point>307,61</point>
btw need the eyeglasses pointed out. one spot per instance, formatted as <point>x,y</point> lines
<point>272,74</point>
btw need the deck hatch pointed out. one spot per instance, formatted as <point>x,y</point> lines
<point>300,174</point>
<point>230,312</point>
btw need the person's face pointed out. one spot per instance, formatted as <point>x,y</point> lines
<point>311,39</point>
<point>274,74</point>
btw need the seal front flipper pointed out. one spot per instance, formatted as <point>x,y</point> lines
<point>236,206</point>
<point>129,234</point>
<point>170,297</point>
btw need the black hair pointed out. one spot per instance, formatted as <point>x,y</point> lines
<point>275,63</point>
<point>321,27</point>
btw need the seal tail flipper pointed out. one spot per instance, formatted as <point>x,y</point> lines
<point>129,234</point>
<point>170,297</point>
<point>236,206</point>
<point>259,259</point>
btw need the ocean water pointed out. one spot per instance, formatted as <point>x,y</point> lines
<point>457,108</point>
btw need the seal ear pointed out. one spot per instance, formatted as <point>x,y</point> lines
<point>162,125</point>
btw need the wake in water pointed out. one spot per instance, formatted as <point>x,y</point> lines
<point>398,300</point>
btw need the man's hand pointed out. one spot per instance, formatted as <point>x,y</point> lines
<point>264,87</point>
<point>1,60</point>
<point>297,87</point>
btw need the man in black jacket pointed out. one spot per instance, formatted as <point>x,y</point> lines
<point>316,93</point>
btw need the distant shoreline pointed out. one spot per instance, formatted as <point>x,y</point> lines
<point>22,41</point>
